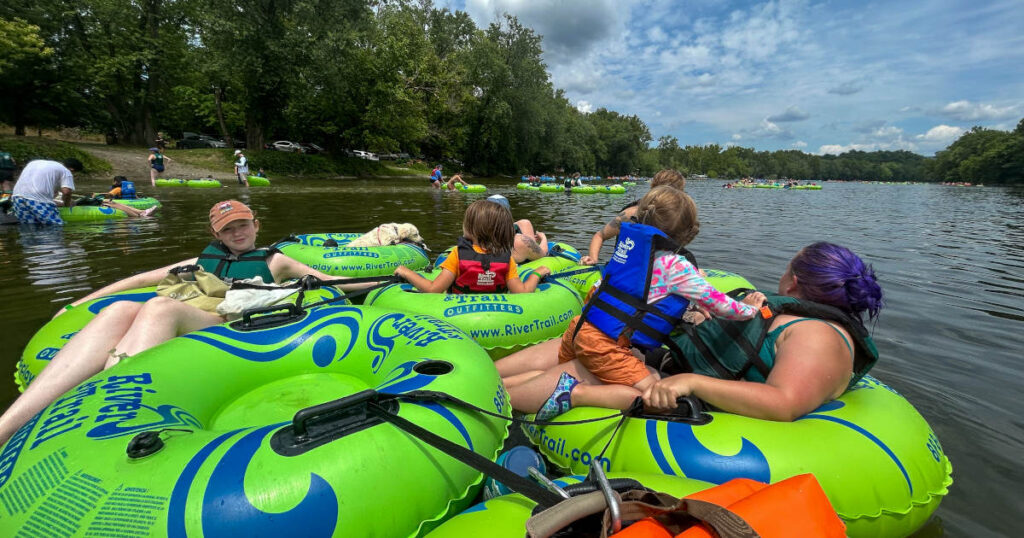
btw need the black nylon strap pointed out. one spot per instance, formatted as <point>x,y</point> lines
<point>633,322</point>
<point>642,306</point>
<point>753,358</point>
<point>590,269</point>
<point>706,352</point>
<point>458,452</point>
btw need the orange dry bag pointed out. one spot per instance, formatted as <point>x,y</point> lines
<point>745,508</point>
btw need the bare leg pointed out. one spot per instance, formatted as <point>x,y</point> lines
<point>528,396</point>
<point>132,212</point>
<point>81,358</point>
<point>152,176</point>
<point>161,319</point>
<point>537,357</point>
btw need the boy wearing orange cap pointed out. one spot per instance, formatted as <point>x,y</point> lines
<point>126,328</point>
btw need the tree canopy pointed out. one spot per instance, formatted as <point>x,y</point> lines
<point>381,75</point>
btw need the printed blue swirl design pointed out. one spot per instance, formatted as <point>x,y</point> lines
<point>398,380</point>
<point>379,344</point>
<point>402,379</point>
<point>298,332</point>
<point>104,302</point>
<point>227,510</point>
<point>697,461</point>
<point>179,495</point>
<point>171,416</point>
<point>836,404</point>
<point>450,417</point>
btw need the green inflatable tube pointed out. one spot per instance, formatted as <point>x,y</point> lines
<point>502,323</point>
<point>505,516</point>
<point>877,459</point>
<point>257,181</point>
<point>170,182</point>
<point>140,203</point>
<point>806,187</point>
<point>203,183</point>
<point>470,188</point>
<point>90,213</point>
<point>551,187</point>
<point>610,189</point>
<point>583,189</point>
<point>52,336</point>
<point>231,462</point>
<point>522,186</point>
<point>351,261</point>
<point>629,183</point>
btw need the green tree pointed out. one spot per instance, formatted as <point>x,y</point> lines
<point>24,60</point>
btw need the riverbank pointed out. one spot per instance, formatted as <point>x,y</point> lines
<point>104,161</point>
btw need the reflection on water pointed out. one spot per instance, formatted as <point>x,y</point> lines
<point>951,262</point>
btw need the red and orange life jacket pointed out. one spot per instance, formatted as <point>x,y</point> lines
<point>480,273</point>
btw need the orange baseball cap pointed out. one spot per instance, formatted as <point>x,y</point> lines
<point>223,213</point>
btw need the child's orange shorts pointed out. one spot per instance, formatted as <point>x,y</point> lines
<point>612,362</point>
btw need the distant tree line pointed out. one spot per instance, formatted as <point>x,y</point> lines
<point>386,76</point>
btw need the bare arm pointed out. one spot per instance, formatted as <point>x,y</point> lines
<point>528,248</point>
<point>516,285</point>
<point>610,230</point>
<point>438,285</point>
<point>65,194</point>
<point>284,268</point>
<point>141,280</point>
<point>812,367</point>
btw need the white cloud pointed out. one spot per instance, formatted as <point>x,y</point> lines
<point>799,144</point>
<point>847,88</point>
<point>584,107</point>
<point>967,111</point>
<point>941,134</point>
<point>732,71</point>
<point>792,113</point>
<point>766,129</point>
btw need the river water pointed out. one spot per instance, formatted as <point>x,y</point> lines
<point>950,259</point>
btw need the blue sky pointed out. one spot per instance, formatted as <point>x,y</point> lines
<point>819,76</point>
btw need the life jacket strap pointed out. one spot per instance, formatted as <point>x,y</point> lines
<point>691,332</point>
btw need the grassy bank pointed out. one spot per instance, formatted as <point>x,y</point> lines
<point>27,148</point>
<point>279,163</point>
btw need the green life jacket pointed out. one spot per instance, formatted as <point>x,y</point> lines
<point>732,349</point>
<point>159,160</point>
<point>217,259</point>
<point>6,161</point>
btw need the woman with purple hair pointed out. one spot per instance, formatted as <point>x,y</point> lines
<point>807,348</point>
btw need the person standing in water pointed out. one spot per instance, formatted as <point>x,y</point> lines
<point>241,168</point>
<point>435,177</point>
<point>156,164</point>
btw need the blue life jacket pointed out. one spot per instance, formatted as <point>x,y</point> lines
<point>127,190</point>
<point>620,303</point>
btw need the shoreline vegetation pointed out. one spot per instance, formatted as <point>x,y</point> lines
<point>103,160</point>
<point>392,77</point>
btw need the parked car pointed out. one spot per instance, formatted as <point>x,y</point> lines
<point>192,141</point>
<point>366,155</point>
<point>311,148</point>
<point>285,145</point>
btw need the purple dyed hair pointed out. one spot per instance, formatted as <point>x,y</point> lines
<point>834,275</point>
